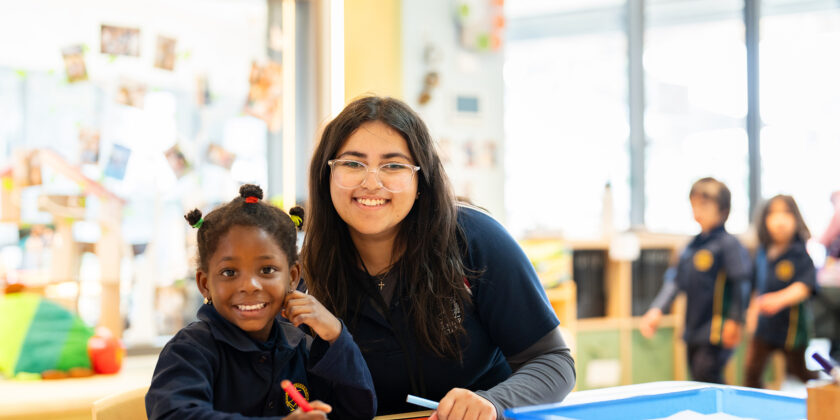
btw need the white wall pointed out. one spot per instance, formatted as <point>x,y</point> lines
<point>433,22</point>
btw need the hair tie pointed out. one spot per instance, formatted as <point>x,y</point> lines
<point>296,220</point>
<point>252,200</point>
<point>198,223</point>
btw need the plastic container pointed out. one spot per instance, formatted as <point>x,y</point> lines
<point>706,400</point>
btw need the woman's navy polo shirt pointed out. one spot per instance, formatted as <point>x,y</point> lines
<point>509,313</point>
<point>211,369</point>
<point>790,327</point>
<point>714,271</point>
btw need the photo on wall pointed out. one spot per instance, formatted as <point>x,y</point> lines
<point>118,162</point>
<point>165,53</point>
<point>203,97</point>
<point>131,94</point>
<point>118,40</point>
<point>88,145</point>
<point>177,161</point>
<point>74,63</point>
<point>265,96</point>
<point>218,155</point>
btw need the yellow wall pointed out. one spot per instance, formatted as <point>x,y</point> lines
<point>372,48</point>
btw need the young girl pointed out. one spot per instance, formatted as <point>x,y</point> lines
<point>784,279</point>
<point>230,363</point>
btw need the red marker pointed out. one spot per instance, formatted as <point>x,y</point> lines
<point>293,392</point>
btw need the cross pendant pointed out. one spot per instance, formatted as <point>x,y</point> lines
<point>381,284</point>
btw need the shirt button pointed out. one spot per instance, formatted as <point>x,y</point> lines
<point>271,404</point>
<point>263,358</point>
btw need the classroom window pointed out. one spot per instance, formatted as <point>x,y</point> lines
<point>566,124</point>
<point>563,63</point>
<point>800,102</point>
<point>696,105</point>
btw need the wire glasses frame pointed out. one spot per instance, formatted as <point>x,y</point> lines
<point>394,177</point>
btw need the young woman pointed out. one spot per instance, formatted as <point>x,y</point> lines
<point>441,300</point>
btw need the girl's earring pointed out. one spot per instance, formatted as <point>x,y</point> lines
<point>207,300</point>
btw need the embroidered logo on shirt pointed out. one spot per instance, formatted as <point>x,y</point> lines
<point>303,391</point>
<point>451,327</point>
<point>703,260</point>
<point>784,270</point>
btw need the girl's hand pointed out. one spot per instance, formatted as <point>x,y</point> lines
<point>752,317</point>
<point>731,334</point>
<point>650,322</point>
<point>463,404</point>
<point>319,411</point>
<point>300,308</point>
<point>769,304</point>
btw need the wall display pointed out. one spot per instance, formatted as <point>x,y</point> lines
<point>469,153</point>
<point>202,91</point>
<point>432,57</point>
<point>487,155</point>
<point>118,162</point>
<point>445,150</point>
<point>165,53</point>
<point>480,24</point>
<point>74,63</point>
<point>131,94</point>
<point>117,40</point>
<point>88,145</point>
<point>177,161</point>
<point>218,155</point>
<point>265,96</point>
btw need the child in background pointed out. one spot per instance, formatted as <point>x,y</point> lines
<point>784,278</point>
<point>229,364</point>
<point>714,273</point>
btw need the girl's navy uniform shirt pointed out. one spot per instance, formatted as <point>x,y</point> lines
<point>714,272</point>
<point>212,369</point>
<point>509,312</point>
<point>790,327</point>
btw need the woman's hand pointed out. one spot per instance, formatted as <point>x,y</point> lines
<point>650,322</point>
<point>301,308</point>
<point>319,411</point>
<point>463,404</point>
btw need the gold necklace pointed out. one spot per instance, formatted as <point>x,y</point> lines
<point>381,278</point>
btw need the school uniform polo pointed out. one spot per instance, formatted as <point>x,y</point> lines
<point>714,272</point>
<point>790,327</point>
<point>211,369</point>
<point>509,312</point>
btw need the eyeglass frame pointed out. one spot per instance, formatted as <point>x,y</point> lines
<point>331,163</point>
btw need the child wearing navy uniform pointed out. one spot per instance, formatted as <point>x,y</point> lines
<point>229,364</point>
<point>784,278</point>
<point>714,273</point>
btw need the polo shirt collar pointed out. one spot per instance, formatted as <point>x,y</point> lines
<point>228,333</point>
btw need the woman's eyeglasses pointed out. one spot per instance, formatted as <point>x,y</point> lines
<point>394,177</point>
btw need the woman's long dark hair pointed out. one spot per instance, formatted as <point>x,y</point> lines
<point>431,264</point>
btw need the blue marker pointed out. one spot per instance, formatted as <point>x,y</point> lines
<point>422,402</point>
